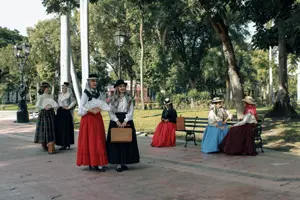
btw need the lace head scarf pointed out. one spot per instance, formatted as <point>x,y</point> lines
<point>114,100</point>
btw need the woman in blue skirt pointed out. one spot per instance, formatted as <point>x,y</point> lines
<point>217,127</point>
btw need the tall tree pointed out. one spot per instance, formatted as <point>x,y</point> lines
<point>216,12</point>
<point>284,35</point>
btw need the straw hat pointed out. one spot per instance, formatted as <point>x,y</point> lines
<point>249,100</point>
<point>216,100</point>
<point>167,101</point>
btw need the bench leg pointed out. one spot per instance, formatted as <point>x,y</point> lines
<point>261,144</point>
<point>194,139</point>
<point>186,140</point>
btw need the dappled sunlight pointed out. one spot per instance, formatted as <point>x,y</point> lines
<point>4,164</point>
<point>30,146</point>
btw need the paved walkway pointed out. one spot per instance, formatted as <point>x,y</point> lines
<point>164,173</point>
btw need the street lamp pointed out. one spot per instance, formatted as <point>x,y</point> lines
<point>21,53</point>
<point>119,41</point>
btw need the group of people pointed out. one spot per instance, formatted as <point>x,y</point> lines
<point>94,149</point>
<point>236,140</point>
<point>57,127</point>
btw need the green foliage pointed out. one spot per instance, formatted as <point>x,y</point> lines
<point>9,37</point>
<point>45,41</point>
<point>61,6</point>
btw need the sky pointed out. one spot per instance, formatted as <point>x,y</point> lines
<point>20,14</point>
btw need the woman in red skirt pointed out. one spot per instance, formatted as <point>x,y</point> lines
<point>91,141</point>
<point>165,133</point>
<point>239,140</point>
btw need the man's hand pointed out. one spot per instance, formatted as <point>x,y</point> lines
<point>66,107</point>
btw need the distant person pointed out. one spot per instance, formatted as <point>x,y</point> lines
<point>239,140</point>
<point>217,127</point>
<point>165,132</point>
<point>64,118</point>
<point>45,129</point>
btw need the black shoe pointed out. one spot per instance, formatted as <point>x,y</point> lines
<point>119,169</point>
<point>124,167</point>
<point>62,148</point>
<point>97,169</point>
<point>68,147</point>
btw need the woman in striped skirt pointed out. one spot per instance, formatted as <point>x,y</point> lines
<point>45,130</point>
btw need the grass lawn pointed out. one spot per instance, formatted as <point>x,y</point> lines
<point>15,107</point>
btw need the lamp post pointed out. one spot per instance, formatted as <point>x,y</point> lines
<point>119,41</point>
<point>21,53</point>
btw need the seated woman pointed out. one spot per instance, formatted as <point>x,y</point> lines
<point>239,140</point>
<point>217,127</point>
<point>164,135</point>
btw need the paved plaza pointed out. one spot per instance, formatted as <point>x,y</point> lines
<point>27,172</point>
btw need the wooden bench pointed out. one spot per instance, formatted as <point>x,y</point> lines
<point>195,125</point>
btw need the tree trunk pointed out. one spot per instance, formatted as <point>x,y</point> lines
<point>131,85</point>
<point>64,48</point>
<point>53,86</point>
<point>75,81</point>
<point>193,83</point>
<point>234,77</point>
<point>84,37</point>
<point>227,100</point>
<point>282,106</point>
<point>141,63</point>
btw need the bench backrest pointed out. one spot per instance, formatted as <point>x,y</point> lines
<point>198,124</point>
<point>195,123</point>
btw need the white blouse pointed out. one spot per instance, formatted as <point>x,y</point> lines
<point>122,107</point>
<point>248,118</point>
<point>84,99</point>
<point>66,99</point>
<point>40,99</point>
<point>213,119</point>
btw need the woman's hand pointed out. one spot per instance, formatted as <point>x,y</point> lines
<point>66,107</point>
<point>93,111</point>
<point>119,124</point>
<point>124,124</point>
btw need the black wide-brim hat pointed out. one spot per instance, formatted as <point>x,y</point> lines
<point>120,82</point>
<point>65,84</point>
<point>92,77</point>
<point>45,84</point>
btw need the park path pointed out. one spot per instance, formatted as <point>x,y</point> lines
<point>164,173</point>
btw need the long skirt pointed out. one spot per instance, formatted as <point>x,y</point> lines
<point>91,148</point>
<point>122,153</point>
<point>239,141</point>
<point>212,137</point>
<point>45,128</point>
<point>64,128</point>
<point>164,135</point>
